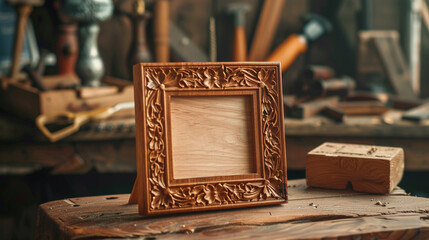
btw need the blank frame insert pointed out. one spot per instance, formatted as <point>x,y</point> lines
<point>216,127</point>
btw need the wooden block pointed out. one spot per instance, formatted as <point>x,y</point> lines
<point>28,102</point>
<point>371,169</point>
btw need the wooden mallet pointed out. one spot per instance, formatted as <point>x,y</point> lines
<point>295,44</point>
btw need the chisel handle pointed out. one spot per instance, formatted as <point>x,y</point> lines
<point>23,13</point>
<point>240,45</point>
<point>67,48</point>
<point>288,51</point>
<point>162,30</point>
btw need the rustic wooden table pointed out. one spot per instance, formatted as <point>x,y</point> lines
<point>310,214</point>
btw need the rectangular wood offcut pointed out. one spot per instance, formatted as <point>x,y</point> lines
<point>209,136</point>
<point>372,169</point>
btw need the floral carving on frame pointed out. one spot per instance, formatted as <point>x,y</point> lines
<point>155,80</point>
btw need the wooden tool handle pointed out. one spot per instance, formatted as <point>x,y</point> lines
<point>288,51</point>
<point>240,45</point>
<point>67,49</point>
<point>77,119</point>
<point>140,50</point>
<point>266,29</point>
<point>162,30</point>
<point>43,120</point>
<point>23,13</point>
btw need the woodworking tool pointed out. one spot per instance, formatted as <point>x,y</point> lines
<point>333,113</point>
<point>335,86</point>
<point>35,77</point>
<point>44,57</point>
<point>310,74</point>
<point>309,109</point>
<point>67,43</point>
<point>76,120</point>
<point>139,51</point>
<point>265,30</point>
<point>295,44</point>
<point>318,72</point>
<point>67,48</point>
<point>89,66</point>
<point>161,30</point>
<point>238,10</point>
<point>23,9</point>
<point>418,113</point>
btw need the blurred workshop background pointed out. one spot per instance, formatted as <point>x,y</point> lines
<point>354,71</point>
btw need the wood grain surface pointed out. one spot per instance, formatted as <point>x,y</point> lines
<point>372,169</point>
<point>311,213</point>
<point>217,128</point>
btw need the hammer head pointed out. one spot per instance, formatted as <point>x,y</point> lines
<point>315,26</point>
<point>238,10</point>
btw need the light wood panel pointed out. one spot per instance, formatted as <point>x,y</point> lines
<point>211,136</point>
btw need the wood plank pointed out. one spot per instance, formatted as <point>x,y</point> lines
<point>330,214</point>
<point>362,107</point>
<point>368,60</point>
<point>395,65</point>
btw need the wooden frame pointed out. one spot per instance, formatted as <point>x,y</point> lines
<point>258,86</point>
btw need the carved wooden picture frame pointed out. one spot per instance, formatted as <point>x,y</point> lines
<point>209,136</point>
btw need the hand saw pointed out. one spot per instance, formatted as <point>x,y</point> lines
<point>76,120</point>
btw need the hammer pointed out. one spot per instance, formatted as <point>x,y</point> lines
<point>23,9</point>
<point>240,44</point>
<point>295,44</point>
